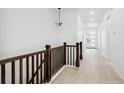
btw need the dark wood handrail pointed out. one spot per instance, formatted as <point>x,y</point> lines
<point>51,61</point>
<point>7,60</point>
<point>56,47</point>
<point>70,45</point>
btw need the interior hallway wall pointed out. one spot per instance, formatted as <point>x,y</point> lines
<point>105,35</point>
<point>112,36</point>
<point>69,31</point>
<point>117,39</point>
<point>26,30</point>
<point>80,28</point>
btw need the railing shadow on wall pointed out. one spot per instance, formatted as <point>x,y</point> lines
<point>40,66</point>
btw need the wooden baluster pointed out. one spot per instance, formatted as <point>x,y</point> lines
<point>73,56</point>
<point>64,58</point>
<point>52,61</point>
<point>58,58</point>
<point>70,55</point>
<point>45,67</point>
<point>63,63</point>
<point>59,52</point>
<point>37,76</point>
<point>13,72</point>
<point>32,69</point>
<point>50,64</point>
<point>41,81</point>
<point>81,53</point>
<point>54,66</point>
<point>27,70</point>
<point>21,71</point>
<point>77,55</point>
<point>3,76</point>
<point>55,61</point>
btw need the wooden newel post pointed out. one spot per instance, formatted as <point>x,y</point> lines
<point>64,44</point>
<point>77,55</point>
<point>48,63</point>
<point>81,53</point>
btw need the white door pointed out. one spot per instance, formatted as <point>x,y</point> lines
<point>91,40</point>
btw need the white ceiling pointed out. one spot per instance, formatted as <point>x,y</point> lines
<point>97,16</point>
<point>85,13</point>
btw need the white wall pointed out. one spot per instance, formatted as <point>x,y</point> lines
<point>26,30</point>
<point>80,28</point>
<point>104,35</point>
<point>117,39</point>
<point>112,36</point>
<point>68,31</point>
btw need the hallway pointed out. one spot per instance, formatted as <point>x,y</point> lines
<point>94,69</point>
<point>51,40</point>
<point>68,46</point>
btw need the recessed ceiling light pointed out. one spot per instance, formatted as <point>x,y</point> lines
<point>91,19</point>
<point>91,12</point>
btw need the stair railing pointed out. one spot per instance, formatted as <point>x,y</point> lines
<point>39,67</point>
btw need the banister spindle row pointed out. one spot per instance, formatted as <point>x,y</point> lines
<point>41,66</point>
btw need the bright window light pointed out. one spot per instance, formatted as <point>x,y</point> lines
<point>91,12</point>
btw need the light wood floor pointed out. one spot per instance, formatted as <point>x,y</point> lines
<point>94,69</point>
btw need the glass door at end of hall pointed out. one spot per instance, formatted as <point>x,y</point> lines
<point>91,39</point>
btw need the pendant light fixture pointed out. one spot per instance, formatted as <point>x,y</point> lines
<point>59,23</point>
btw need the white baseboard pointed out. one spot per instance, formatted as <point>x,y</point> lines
<point>71,66</point>
<point>120,75</point>
<point>107,58</point>
<point>57,74</point>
